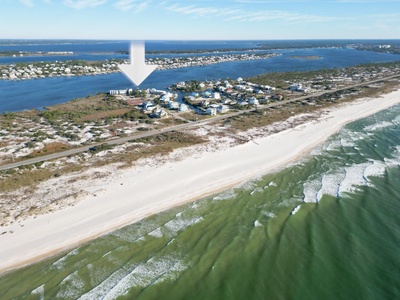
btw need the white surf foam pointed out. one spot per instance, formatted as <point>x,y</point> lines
<point>227,195</point>
<point>397,120</point>
<point>354,177</point>
<point>59,264</point>
<point>295,210</point>
<point>157,233</point>
<point>257,224</point>
<point>103,288</point>
<point>71,286</point>
<point>378,126</point>
<point>268,214</point>
<point>330,184</point>
<point>272,183</point>
<point>333,145</point>
<point>310,190</point>
<point>154,270</point>
<point>195,206</point>
<point>290,202</point>
<point>347,143</point>
<point>257,190</point>
<point>248,185</point>
<point>394,161</point>
<point>180,223</point>
<point>376,168</point>
<point>39,291</point>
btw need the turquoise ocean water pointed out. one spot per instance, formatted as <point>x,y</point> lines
<point>327,227</point>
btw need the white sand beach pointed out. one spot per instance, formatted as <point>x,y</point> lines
<point>132,194</point>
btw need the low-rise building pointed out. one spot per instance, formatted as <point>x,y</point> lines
<point>212,111</point>
<point>183,107</point>
<point>173,105</point>
<point>222,109</point>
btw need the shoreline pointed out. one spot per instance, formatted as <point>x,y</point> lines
<point>197,176</point>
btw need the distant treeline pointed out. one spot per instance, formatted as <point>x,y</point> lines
<point>380,49</point>
<point>279,79</point>
<point>11,53</point>
<point>194,51</point>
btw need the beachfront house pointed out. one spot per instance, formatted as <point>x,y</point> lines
<point>277,97</point>
<point>166,98</point>
<point>222,109</point>
<point>158,113</point>
<point>119,92</point>
<point>253,101</point>
<point>295,86</point>
<point>181,84</point>
<point>303,90</point>
<point>173,105</point>
<point>148,105</point>
<point>183,107</point>
<point>211,111</point>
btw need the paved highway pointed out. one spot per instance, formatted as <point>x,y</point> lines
<point>176,127</point>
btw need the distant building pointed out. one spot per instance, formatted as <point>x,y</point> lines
<point>253,101</point>
<point>277,97</point>
<point>181,84</point>
<point>157,92</point>
<point>183,107</point>
<point>295,87</point>
<point>166,97</point>
<point>173,105</point>
<point>148,105</point>
<point>119,92</point>
<point>222,109</point>
<point>212,111</point>
<point>158,113</point>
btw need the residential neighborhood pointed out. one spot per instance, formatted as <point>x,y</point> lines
<point>35,70</point>
<point>212,97</point>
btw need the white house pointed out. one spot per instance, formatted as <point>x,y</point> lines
<point>183,107</point>
<point>173,105</point>
<point>166,97</point>
<point>226,101</point>
<point>212,111</point>
<point>157,92</point>
<point>119,92</point>
<point>222,109</point>
<point>148,105</point>
<point>253,101</point>
<point>295,86</point>
<point>227,84</point>
<point>181,84</point>
<point>159,113</point>
<point>303,89</point>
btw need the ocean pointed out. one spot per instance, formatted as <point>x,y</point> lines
<point>324,227</point>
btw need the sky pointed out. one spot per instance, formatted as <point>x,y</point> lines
<point>200,19</point>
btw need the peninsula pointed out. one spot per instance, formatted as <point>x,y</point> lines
<point>35,70</point>
<point>53,205</point>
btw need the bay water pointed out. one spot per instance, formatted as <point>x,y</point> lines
<point>39,93</point>
<point>325,227</point>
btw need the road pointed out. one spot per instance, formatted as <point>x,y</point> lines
<point>176,127</point>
